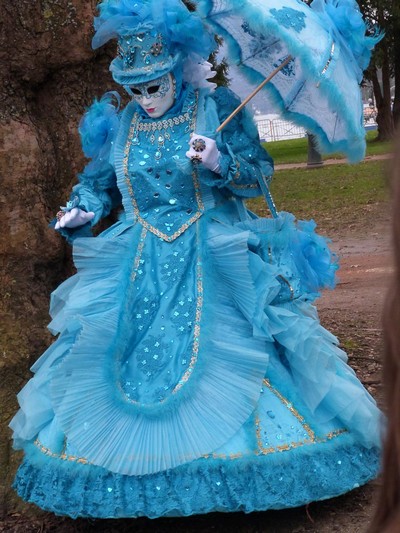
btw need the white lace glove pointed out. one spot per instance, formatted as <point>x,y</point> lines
<point>74,218</point>
<point>204,150</point>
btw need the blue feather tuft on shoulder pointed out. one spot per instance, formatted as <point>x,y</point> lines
<point>99,126</point>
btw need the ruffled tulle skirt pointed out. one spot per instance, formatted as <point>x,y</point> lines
<point>194,376</point>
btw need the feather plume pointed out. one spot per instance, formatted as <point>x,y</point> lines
<point>171,18</point>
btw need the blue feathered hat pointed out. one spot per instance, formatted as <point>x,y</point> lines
<point>153,37</point>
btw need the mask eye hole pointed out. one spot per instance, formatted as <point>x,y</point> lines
<point>153,89</point>
<point>136,92</point>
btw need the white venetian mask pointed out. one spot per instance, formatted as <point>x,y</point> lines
<point>155,97</point>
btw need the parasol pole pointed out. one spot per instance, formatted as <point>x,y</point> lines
<point>252,95</point>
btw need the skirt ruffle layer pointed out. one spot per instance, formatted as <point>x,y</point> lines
<point>283,480</point>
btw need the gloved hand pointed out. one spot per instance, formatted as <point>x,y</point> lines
<point>74,218</point>
<point>204,150</point>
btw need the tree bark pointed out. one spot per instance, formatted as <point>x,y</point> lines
<point>48,75</point>
<point>384,117</point>
<point>382,96</point>
<point>396,59</point>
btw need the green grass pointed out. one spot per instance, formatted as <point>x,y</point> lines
<point>296,150</point>
<point>334,195</point>
<point>349,345</point>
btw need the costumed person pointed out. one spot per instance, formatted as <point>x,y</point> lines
<point>191,373</point>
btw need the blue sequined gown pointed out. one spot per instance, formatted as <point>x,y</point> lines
<point>190,373</point>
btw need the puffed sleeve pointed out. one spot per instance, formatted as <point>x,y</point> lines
<point>97,188</point>
<point>243,159</point>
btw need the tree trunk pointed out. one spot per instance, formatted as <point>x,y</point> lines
<point>48,75</point>
<point>382,95</point>
<point>384,118</point>
<point>396,60</point>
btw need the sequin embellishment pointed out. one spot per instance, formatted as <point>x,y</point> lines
<point>150,357</point>
<point>310,439</point>
<point>158,126</point>
<point>138,255</point>
<point>63,456</point>
<point>289,18</point>
<point>196,341</point>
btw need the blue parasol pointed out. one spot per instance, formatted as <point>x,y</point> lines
<point>316,54</point>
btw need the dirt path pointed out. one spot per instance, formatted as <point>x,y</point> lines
<point>352,311</point>
<point>288,166</point>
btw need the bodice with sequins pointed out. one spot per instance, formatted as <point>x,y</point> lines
<point>162,183</point>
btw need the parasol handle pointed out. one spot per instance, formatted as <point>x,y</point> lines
<point>252,95</point>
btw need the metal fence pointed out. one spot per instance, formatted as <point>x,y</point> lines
<point>276,129</point>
